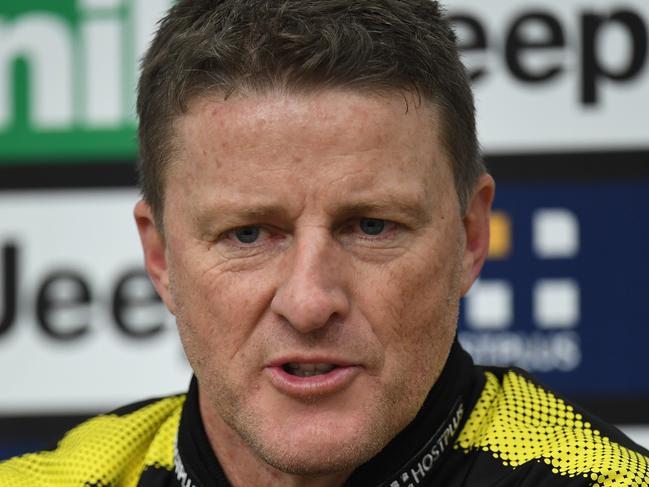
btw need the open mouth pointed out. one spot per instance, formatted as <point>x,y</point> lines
<point>302,379</point>
<point>308,370</point>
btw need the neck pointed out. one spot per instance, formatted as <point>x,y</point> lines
<point>243,467</point>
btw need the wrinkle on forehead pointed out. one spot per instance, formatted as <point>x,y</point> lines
<point>307,150</point>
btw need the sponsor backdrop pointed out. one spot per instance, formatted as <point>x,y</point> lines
<point>562,91</point>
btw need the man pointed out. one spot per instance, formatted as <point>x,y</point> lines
<point>314,207</point>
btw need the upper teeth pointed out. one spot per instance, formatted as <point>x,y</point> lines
<point>307,370</point>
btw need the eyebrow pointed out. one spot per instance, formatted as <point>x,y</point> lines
<point>387,206</point>
<point>227,211</point>
<point>410,207</point>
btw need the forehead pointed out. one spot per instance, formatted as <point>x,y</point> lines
<point>359,140</point>
<point>342,113</point>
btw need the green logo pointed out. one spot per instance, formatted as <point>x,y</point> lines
<point>68,70</point>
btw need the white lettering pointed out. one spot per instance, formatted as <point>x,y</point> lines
<point>418,473</point>
<point>102,47</point>
<point>179,468</point>
<point>535,352</point>
<point>46,44</point>
<point>427,461</point>
<point>109,67</point>
<point>438,444</point>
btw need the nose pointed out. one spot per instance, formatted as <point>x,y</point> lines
<point>311,294</point>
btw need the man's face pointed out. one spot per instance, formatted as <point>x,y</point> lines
<point>314,257</point>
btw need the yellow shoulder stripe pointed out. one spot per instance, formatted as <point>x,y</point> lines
<point>105,450</point>
<point>519,422</point>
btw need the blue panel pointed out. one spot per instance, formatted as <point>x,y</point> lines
<point>605,350</point>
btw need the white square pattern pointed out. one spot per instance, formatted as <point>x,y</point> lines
<point>556,303</point>
<point>555,233</point>
<point>489,305</point>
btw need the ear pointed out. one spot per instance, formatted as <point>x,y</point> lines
<point>155,252</point>
<point>476,228</point>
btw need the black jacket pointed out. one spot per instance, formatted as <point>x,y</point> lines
<point>478,427</point>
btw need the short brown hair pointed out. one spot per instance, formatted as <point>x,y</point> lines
<point>221,46</point>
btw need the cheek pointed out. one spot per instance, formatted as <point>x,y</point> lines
<point>412,309</point>
<point>417,297</point>
<point>216,311</point>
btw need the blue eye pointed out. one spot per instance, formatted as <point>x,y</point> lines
<point>372,226</point>
<point>247,235</point>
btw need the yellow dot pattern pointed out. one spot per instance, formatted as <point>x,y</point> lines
<point>519,422</point>
<point>108,450</point>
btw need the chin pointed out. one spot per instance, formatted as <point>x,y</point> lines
<point>317,449</point>
<point>317,458</point>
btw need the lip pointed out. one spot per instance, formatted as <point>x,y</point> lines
<point>313,386</point>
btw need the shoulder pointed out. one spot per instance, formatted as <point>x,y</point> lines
<point>110,449</point>
<point>519,423</point>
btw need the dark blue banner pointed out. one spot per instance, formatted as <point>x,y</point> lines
<point>565,292</point>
